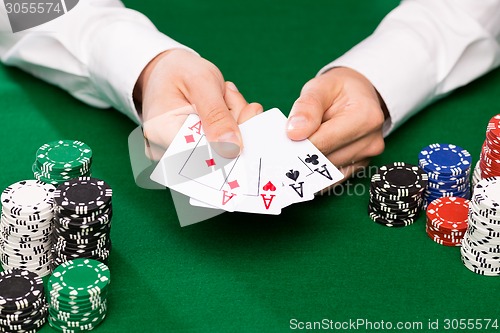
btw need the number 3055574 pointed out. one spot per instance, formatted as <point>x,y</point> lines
<point>32,8</point>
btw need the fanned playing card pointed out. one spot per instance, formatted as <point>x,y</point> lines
<point>191,167</point>
<point>272,171</point>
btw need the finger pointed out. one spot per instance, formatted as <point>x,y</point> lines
<point>368,146</point>
<point>160,130</point>
<point>219,125</point>
<point>249,111</point>
<point>234,100</point>
<point>307,111</point>
<point>347,126</point>
<point>153,151</point>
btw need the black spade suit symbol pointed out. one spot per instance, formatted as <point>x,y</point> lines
<point>293,174</point>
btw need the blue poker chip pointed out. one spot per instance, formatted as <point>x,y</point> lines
<point>445,159</point>
<point>439,185</point>
<point>452,192</point>
<point>449,181</point>
<point>460,178</point>
<point>461,189</point>
<point>429,198</point>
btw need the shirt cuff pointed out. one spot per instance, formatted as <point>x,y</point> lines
<point>401,81</point>
<point>120,52</point>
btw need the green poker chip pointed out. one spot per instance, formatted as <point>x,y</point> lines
<point>77,295</point>
<point>80,278</point>
<point>63,155</point>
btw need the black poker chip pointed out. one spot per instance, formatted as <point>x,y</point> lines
<point>396,194</point>
<point>83,195</point>
<point>400,178</point>
<point>19,289</point>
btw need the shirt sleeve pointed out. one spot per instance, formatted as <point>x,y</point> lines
<point>96,51</point>
<point>424,49</point>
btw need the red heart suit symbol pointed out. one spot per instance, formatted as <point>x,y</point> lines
<point>269,187</point>
<point>27,14</point>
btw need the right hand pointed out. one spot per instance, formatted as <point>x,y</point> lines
<point>342,114</point>
<point>178,82</point>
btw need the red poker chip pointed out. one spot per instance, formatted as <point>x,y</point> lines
<point>446,237</point>
<point>445,234</point>
<point>442,241</point>
<point>448,214</point>
<point>494,126</point>
<point>491,168</point>
<point>490,150</point>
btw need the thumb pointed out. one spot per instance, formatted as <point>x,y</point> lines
<point>307,111</point>
<point>219,125</point>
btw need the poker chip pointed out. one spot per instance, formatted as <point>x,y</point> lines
<point>82,223</point>
<point>480,250</point>
<point>448,169</point>
<point>77,295</point>
<point>445,159</point>
<point>476,175</point>
<point>62,160</point>
<point>400,179</point>
<point>83,195</point>
<point>487,195</point>
<point>489,160</point>
<point>396,194</point>
<point>23,306</point>
<point>25,226</point>
<point>27,197</point>
<point>447,220</point>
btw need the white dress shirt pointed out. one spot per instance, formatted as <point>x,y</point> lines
<point>96,51</point>
<point>425,49</point>
<point>421,51</point>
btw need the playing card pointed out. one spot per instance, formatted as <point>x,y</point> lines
<point>307,173</point>
<point>303,169</point>
<point>257,168</point>
<point>191,167</point>
<point>263,195</point>
<point>271,172</point>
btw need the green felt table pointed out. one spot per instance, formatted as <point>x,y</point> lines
<point>323,259</point>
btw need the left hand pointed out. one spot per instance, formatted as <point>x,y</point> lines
<point>342,115</point>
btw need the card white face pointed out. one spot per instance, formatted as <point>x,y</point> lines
<point>207,168</point>
<point>191,167</point>
<point>272,171</point>
<point>302,168</point>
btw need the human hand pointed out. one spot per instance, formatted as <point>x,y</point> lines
<point>342,115</point>
<point>177,83</point>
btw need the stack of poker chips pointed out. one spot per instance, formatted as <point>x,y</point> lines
<point>448,168</point>
<point>490,153</point>
<point>77,295</point>
<point>396,194</point>
<point>58,161</point>
<point>481,243</point>
<point>447,220</point>
<point>23,306</point>
<point>82,222</point>
<point>26,226</point>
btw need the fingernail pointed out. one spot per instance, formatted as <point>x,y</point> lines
<point>227,145</point>
<point>232,86</point>
<point>296,122</point>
